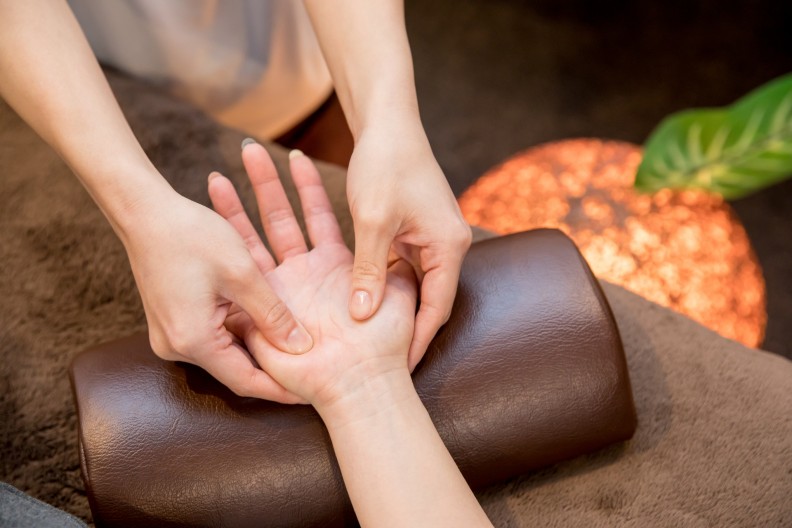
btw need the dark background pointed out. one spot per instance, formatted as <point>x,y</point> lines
<point>496,77</point>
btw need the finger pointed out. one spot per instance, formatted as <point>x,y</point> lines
<point>233,368</point>
<point>319,217</point>
<point>402,275</point>
<point>372,246</point>
<point>225,201</point>
<point>239,323</point>
<point>438,290</point>
<point>269,313</point>
<point>267,357</point>
<point>159,342</point>
<point>412,254</point>
<point>281,227</point>
<point>244,333</point>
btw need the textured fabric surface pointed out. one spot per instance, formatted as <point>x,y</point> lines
<point>714,441</point>
<point>713,445</point>
<point>18,510</point>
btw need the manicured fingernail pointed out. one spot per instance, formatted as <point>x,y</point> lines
<point>361,304</point>
<point>299,341</point>
<point>296,153</point>
<point>247,141</point>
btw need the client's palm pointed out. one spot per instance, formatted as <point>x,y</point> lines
<point>314,285</point>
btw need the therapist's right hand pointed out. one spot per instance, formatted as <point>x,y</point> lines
<point>190,265</point>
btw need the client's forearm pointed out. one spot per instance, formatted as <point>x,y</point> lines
<point>396,468</point>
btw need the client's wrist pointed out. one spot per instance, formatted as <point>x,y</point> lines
<point>365,398</point>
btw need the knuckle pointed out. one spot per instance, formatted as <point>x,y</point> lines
<point>317,210</point>
<point>371,220</point>
<point>246,388</point>
<point>277,315</point>
<point>366,271</point>
<point>242,272</point>
<point>182,339</point>
<point>438,319</point>
<point>159,345</point>
<point>462,237</point>
<point>241,390</point>
<point>251,240</point>
<point>278,216</point>
<point>437,316</point>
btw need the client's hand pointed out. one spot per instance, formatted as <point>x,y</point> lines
<point>393,462</point>
<point>314,284</point>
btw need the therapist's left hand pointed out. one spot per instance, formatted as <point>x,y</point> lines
<point>401,201</point>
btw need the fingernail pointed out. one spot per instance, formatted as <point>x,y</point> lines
<point>212,176</point>
<point>361,304</point>
<point>248,141</point>
<point>296,153</point>
<point>299,341</point>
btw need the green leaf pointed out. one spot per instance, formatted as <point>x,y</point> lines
<point>732,151</point>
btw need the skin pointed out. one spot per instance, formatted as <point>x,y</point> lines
<point>215,298</point>
<point>398,195</point>
<point>394,464</point>
<point>190,267</point>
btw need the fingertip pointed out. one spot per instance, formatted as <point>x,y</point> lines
<point>289,337</point>
<point>299,341</point>
<point>218,181</point>
<point>258,163</point>
<point>302,168</point>
<point>414,356</point>
<point>425,331</point>
<point>251,146</point>
<point>248,141</point>
<point>368,282</point>
<point>252,152</point>
<point>222,194</point>
<point>360,305</point>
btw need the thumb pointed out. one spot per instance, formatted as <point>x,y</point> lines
<point>271,316</point>
<point>369,272</point>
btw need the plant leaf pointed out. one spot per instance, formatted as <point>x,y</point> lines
<point>732,151</point>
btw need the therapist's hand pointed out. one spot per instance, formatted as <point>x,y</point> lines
<point>401,202</point>
<point>190,265</point>
<point>347,354</point>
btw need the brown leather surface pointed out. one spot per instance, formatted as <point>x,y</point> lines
<point>529,371</point>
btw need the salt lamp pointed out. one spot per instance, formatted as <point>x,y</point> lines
<point>684,250</point>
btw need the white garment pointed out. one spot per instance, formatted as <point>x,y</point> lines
<point>254,65</point>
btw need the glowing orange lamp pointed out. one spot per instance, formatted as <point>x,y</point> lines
<point>685,250</point>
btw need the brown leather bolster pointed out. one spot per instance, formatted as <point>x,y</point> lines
<point>529,371</point>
